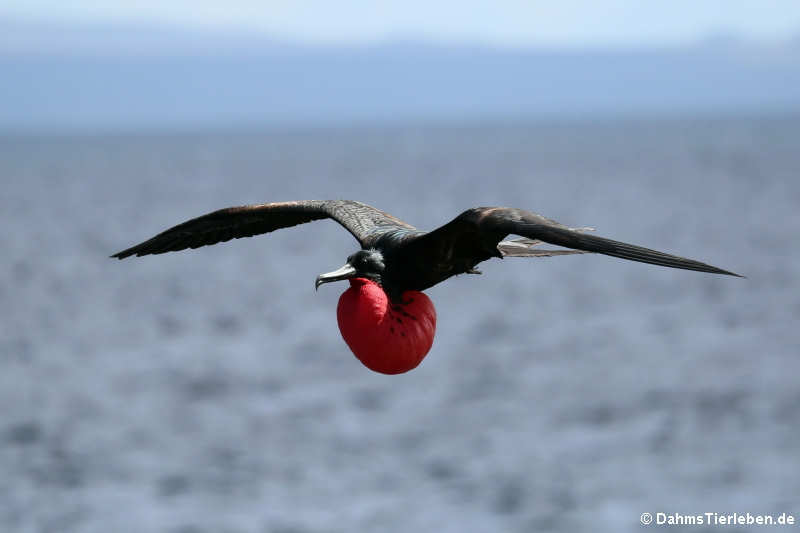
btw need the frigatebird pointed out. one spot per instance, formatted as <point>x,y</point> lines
<point>384,317</point>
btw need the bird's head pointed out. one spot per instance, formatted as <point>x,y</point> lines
<point>389,335</point>
<point>367,264</point>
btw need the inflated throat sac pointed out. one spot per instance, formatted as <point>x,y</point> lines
<point>388,337</point>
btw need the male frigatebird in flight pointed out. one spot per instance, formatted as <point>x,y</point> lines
<point>384,318</point>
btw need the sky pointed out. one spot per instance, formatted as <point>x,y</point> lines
<point>513,23</point>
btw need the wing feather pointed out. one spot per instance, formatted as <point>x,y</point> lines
<point>364,222</point>
<point>485,227</point>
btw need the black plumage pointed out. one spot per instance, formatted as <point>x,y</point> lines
<point>398,255</point>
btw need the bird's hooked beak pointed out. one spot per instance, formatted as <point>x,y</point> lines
<point>346,272</point>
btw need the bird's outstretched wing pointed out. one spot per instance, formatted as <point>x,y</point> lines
<point>475,233</point>
<point>364,222</point>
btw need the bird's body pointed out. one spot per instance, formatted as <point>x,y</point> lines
<point>399,259</point>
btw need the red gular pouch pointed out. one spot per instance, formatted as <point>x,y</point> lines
<point>388,337</point>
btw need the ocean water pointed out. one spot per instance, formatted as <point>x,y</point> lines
<point>210,391</point>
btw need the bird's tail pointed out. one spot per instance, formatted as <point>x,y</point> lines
<point>524,247</point>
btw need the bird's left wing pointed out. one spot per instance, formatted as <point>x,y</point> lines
<point>477,232</point>
<point>364,222</point>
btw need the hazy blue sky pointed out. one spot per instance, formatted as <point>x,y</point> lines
<point>576,23</point>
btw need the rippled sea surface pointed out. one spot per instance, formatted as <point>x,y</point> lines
<point>210,390</point>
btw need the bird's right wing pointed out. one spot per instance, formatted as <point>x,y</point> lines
<point>364,222</point>
<point>476,232</point>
